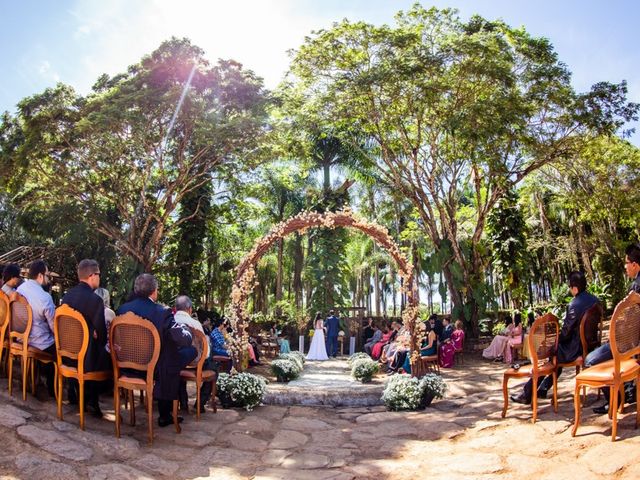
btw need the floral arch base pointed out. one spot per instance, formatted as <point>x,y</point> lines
<point>245,277</point>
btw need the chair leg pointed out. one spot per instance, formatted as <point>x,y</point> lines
<point>198,387</point>
<point>555,392</point>
<point>505,394</point>
<point>150,415</point>
<point>25,377</point>
<point>614,410</point>
<point>534,400</point>
<point>176,423</point>
<point>10,373</point>
<point>577,408</point>
<point>81,402</point>
<point>116,407</point>
<point>132,407</point>
<point>59,397</point>
<point>214,394</point>
<point>637,401</point>
<point>33,372</point>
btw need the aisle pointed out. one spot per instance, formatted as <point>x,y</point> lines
<point>326,383</point>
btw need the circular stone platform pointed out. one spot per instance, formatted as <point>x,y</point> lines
<point>326,383</point>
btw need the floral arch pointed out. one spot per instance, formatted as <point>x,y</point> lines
<point>245,277</point>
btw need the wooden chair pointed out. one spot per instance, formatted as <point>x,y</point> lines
<point>72,341</point>
<point>20,323</point>
<point>135,345</point>
<point>195,373</point>
<point>624,337</point>
<point>589,339</point>
<point>543,343</point>
<point>4,324</point>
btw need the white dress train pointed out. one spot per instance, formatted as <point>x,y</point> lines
<point>318,349</point>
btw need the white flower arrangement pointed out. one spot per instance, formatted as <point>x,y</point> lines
<point>285,369</point>
<point>364,369</point>
<point>296,357</point>
<point>242,390</point>
<point>357,356</point>
<point>404,392</point>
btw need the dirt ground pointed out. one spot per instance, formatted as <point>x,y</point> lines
<point>461,436</point>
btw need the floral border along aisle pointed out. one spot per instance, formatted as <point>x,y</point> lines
<point>288,366</point>
<point>246,272</point>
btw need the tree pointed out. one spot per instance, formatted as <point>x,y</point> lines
<point>138,146</point>
<point>452,106</point>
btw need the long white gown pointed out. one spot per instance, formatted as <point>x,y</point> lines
<point>318,349</point>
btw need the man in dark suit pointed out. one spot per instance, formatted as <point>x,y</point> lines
<point>176,351</point>
<point>569,346</point>
<point>332,324</point>
<point>83,299</point>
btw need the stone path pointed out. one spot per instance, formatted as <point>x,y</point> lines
<point>327,383</point>
<point>461,436</point>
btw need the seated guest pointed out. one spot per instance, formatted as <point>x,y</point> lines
<point>428,349</point>
<point>457,337</point>
<point>283,341</point>
<point>11,279</point>
<point>569,346</point>
<point>44,310</point>
<point>183,316</point>
<point>368,331</point>
<point>397,353</point>
<point>500,348</point>
<point>376,351</point>
<point>436,324</point>
<point>218,343</point>
<point>447,350</point>
<point>447,330</point>
<point>83,299</point>
<point>377,335</point>
<point>176,350</point>
<point>109,314</point>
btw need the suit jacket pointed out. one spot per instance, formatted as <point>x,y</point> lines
<point>173,336</point>
<point>332,324</point>
<point>84,300</point>
<point>635,286</point>
<point>569,347</point>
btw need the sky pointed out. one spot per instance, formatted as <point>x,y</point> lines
<point>45,42</point>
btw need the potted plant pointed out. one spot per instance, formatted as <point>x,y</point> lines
<point>364,369</point>
<point>285,369</point>
<point>243,390</point>
<point>432,386</point>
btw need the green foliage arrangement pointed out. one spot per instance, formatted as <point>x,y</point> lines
<point>404,392</point>
<point>243,390</point>
<point>364,369</point>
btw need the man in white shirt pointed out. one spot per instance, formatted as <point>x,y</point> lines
<point>43,309</point>
<point>184,309</point>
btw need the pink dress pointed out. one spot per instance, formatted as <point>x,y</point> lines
<point>501,344</point>
<point>457,338</point>
<point>377,348</point>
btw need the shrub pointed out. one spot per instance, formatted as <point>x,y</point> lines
<point>285,369</point>
<point>357,356</point>
<point>243,390</point>
<point>404,392</point>
<point>296,357</point>
<point>363,369</point>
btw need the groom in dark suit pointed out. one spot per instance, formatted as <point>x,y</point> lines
<point>332,324</point>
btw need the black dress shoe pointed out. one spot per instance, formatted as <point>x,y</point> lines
<point>202,408</point>
<point>93,409</point>
<point>602,409</point>
<point>164,422</point>
<point>520,399</point>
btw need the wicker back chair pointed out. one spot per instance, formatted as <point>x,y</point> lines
<point>624,336</point>
<point>195,373</point>
<point>20,322</point>
<point>543,344</point>
<point>72,341</point>
<point>4,323</point>
<point>135,346</point>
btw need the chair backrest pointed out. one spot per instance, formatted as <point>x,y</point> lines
<point>624,333</point>
<point>71,334</point>
<point>590,329</point>
<point>200,343</point>
<point>4,311</point>
<point>543,339</point>
<point>20,320</point>
<point>134,344</point>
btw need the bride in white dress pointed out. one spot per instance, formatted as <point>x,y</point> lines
<point>318,349</point>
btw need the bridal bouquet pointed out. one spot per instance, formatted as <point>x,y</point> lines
<point>243,390</point>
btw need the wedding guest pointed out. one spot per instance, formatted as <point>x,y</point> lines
<point>500,347</point>
<point>368,331</point>
<point>43,310</point>
<point>218,343</point>
<point>457,337</point>
<point>176,344</point>
<point>11,279</point>
<point>377,335</point>
<point>376,351</point>
<point>428,349</point>
<point>83,299</point>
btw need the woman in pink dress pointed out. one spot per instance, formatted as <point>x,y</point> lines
<point>500,347</point>
<point>377,348</point>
